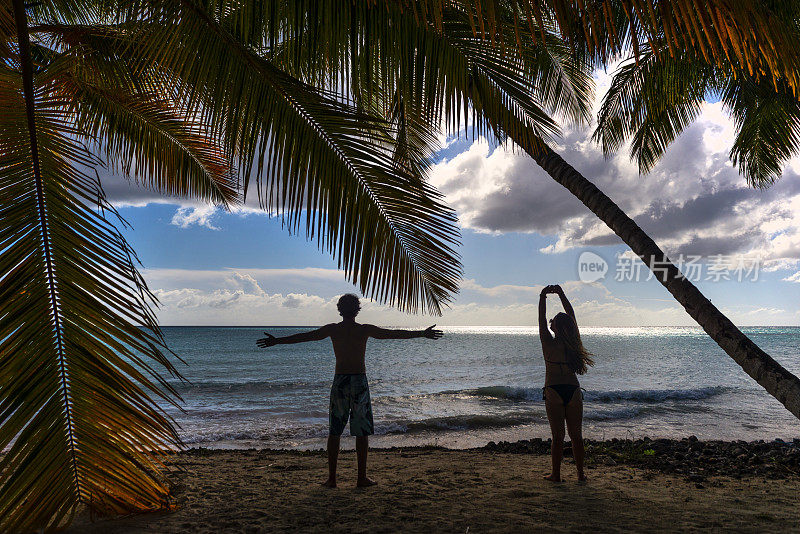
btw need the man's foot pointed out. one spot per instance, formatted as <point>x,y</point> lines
<point>365,483</point>
<point>582,477</point>
<point>330,483</point>
<point>552,478</point>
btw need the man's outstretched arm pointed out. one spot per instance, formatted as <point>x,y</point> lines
<point>302,337</point>
<point>386,333</point>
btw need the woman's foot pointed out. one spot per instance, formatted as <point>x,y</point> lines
<point>582,477</point>
<point>552,478</point>
<point>365,482</point>
<point>330,483</point>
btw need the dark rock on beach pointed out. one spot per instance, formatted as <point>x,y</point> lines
<point>689,457</point>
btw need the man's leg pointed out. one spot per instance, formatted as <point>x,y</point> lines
<point>337,419</point>
<point>362,447</point>
<point>362,426</point>
<point>333,457</point>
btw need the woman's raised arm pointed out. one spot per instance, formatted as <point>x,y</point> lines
<point>544,332</point>
<point>565,303</point>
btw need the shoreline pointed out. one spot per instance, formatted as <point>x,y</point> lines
<point>725,486</point>
<point>454,439</point>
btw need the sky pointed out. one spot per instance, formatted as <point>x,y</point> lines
<point>520,232</point>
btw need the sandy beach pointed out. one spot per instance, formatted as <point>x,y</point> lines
<point>665,485</point>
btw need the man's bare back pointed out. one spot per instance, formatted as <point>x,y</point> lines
<point>349,340</point>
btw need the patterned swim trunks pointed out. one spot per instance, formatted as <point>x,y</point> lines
<point>350,399</point>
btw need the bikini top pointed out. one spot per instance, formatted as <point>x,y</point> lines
<point>557,362</point>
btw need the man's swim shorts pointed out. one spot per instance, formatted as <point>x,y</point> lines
<point>350,399</point>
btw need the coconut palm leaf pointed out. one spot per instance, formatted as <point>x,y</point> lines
<point>416,142</point>
<point>435,71</point>
<point>135,119</point>
<point>767,121</point>
<point>455,75</point>
<point>7,30</point>
<point>75,369</point>
<point>651,101</point>
<point>547,81</point>
<point>749,36</point>
<point>318,161</point>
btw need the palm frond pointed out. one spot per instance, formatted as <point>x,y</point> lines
<point>74,364</point>
<point>768,128</point>
<point>757,38</point>
<point>545,80</point>
<point>318,161</point>
<point>135,120</point>
<point>416,142</point>
<point>434,69</point>
<point>651,101</point>
<point>7,31</point>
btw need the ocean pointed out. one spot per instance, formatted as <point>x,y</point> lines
<point>475,385</point>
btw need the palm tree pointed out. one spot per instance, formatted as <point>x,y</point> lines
<point>195,97</point>
<point>650,102</point>
<point>653,106</point>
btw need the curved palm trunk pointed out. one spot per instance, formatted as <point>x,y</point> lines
<point>779,382</point>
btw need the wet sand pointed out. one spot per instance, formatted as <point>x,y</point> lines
<point>439,490</point>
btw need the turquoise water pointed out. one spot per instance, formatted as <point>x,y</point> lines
<point>475,385</point>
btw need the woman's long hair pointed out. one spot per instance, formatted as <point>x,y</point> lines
<point>578,358</point>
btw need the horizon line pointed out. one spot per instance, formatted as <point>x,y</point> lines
<point>472,326</point>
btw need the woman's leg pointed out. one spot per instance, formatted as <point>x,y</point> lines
<point>574,416</point>
<point>555,415</point>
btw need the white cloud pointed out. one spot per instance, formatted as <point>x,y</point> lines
<point>308,297</point>
<point>123,192</point>
<point>793,278</point>
<point>327,282</point>
<point>500,291</point>
<point>202,214</point>
<point>693,202</point>
<point>199,215</point>
<point>230,297</point>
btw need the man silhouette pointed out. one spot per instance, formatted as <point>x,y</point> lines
<point>350,391</point>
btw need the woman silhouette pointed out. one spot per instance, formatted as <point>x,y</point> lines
<point>564,359</point>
